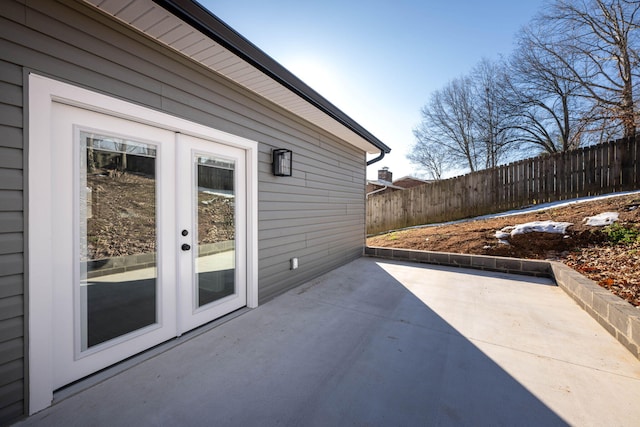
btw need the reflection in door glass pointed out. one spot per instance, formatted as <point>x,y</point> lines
<point>118,274</point>
<point>215,253</point>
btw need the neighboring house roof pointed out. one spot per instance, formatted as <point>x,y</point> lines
<point>410,181</point>
<point>375,187</point>
<point>384,184</point>
<point>401,184</point>
<point>190,29</point>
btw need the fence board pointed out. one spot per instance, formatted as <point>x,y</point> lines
<point>579,167</point>
<point>626,156</point>
<point>524,167</point>
<point>590,170</point>
<point>599,161</point>
<point>549,178</point>
<point>560,173</point>
<point>517,181</point>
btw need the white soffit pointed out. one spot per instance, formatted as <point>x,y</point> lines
<point>158,23</point>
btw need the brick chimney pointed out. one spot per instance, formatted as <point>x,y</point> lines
<point>385,175</point>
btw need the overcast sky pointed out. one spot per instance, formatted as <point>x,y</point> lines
<point>379,61</point>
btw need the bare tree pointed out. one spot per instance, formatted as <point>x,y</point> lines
<point>551,112</point>
<point>572,81</point>
<point>604,35</point>
<point>466,124</point>
<point>429,156</point>
<point>448,122</point>
<point>493,119</point>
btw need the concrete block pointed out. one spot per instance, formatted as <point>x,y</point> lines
<point>560,271</point>
<point>145,258</point>
<point>118,262</point>
<point>422,256</point>
<point>585,293</point>
<point>634,324</point>
<point>509,264</point>
<point>578,301</point>
<point>569,286</point>
<point>601,305</point>
<point>131,261</point>
<point>588,283</point>
<point>384,252</point>
<point>406,254</point>
<point>632,347</point>
<point>399,253</point>
<point>603,322</point>
<point>576,286</point>
<point>619,317</point>
<point>560,282</point>
<point>409,254</point>
<point>439,258</point>
<point>483,262</point>
<point>572,284</point>
<point>581,280</point>
<point>117,270</point>
<point>536,268</point>
<point>460,260</point>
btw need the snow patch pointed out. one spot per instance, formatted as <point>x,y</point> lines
<point>541,227</point>
<point>504,233</point>
<point>600,220</point>
<point>530,227</point>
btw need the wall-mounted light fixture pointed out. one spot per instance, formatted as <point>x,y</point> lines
<point>282,162</point>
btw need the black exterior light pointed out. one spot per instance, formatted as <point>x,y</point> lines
<point>282,162</point>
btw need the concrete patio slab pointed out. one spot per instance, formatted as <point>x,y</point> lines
<point>378,343</point>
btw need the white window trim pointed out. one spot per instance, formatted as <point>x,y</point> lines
<point>43,92</point>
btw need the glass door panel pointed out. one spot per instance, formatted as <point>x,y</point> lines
<point>215,252</point>
<point>113,220</point>
<point>211,198</point>
<point>118,237</point>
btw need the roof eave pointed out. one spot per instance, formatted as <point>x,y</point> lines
<point>206,22</point>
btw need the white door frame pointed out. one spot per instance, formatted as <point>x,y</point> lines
<point>71,359</point>
<point>43,92</point>
<point>190,316</point>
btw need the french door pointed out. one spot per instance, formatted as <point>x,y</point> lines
<point>149,236</point>
<point>212,230</point>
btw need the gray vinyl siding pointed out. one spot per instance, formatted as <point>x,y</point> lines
<point>316,215</point>
<point>11,244</point>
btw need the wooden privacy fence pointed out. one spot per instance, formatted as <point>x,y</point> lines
<point>599,169</point>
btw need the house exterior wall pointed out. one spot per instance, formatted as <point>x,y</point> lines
<point>316,215</point>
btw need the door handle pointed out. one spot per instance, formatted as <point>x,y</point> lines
<point>185,247</point>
